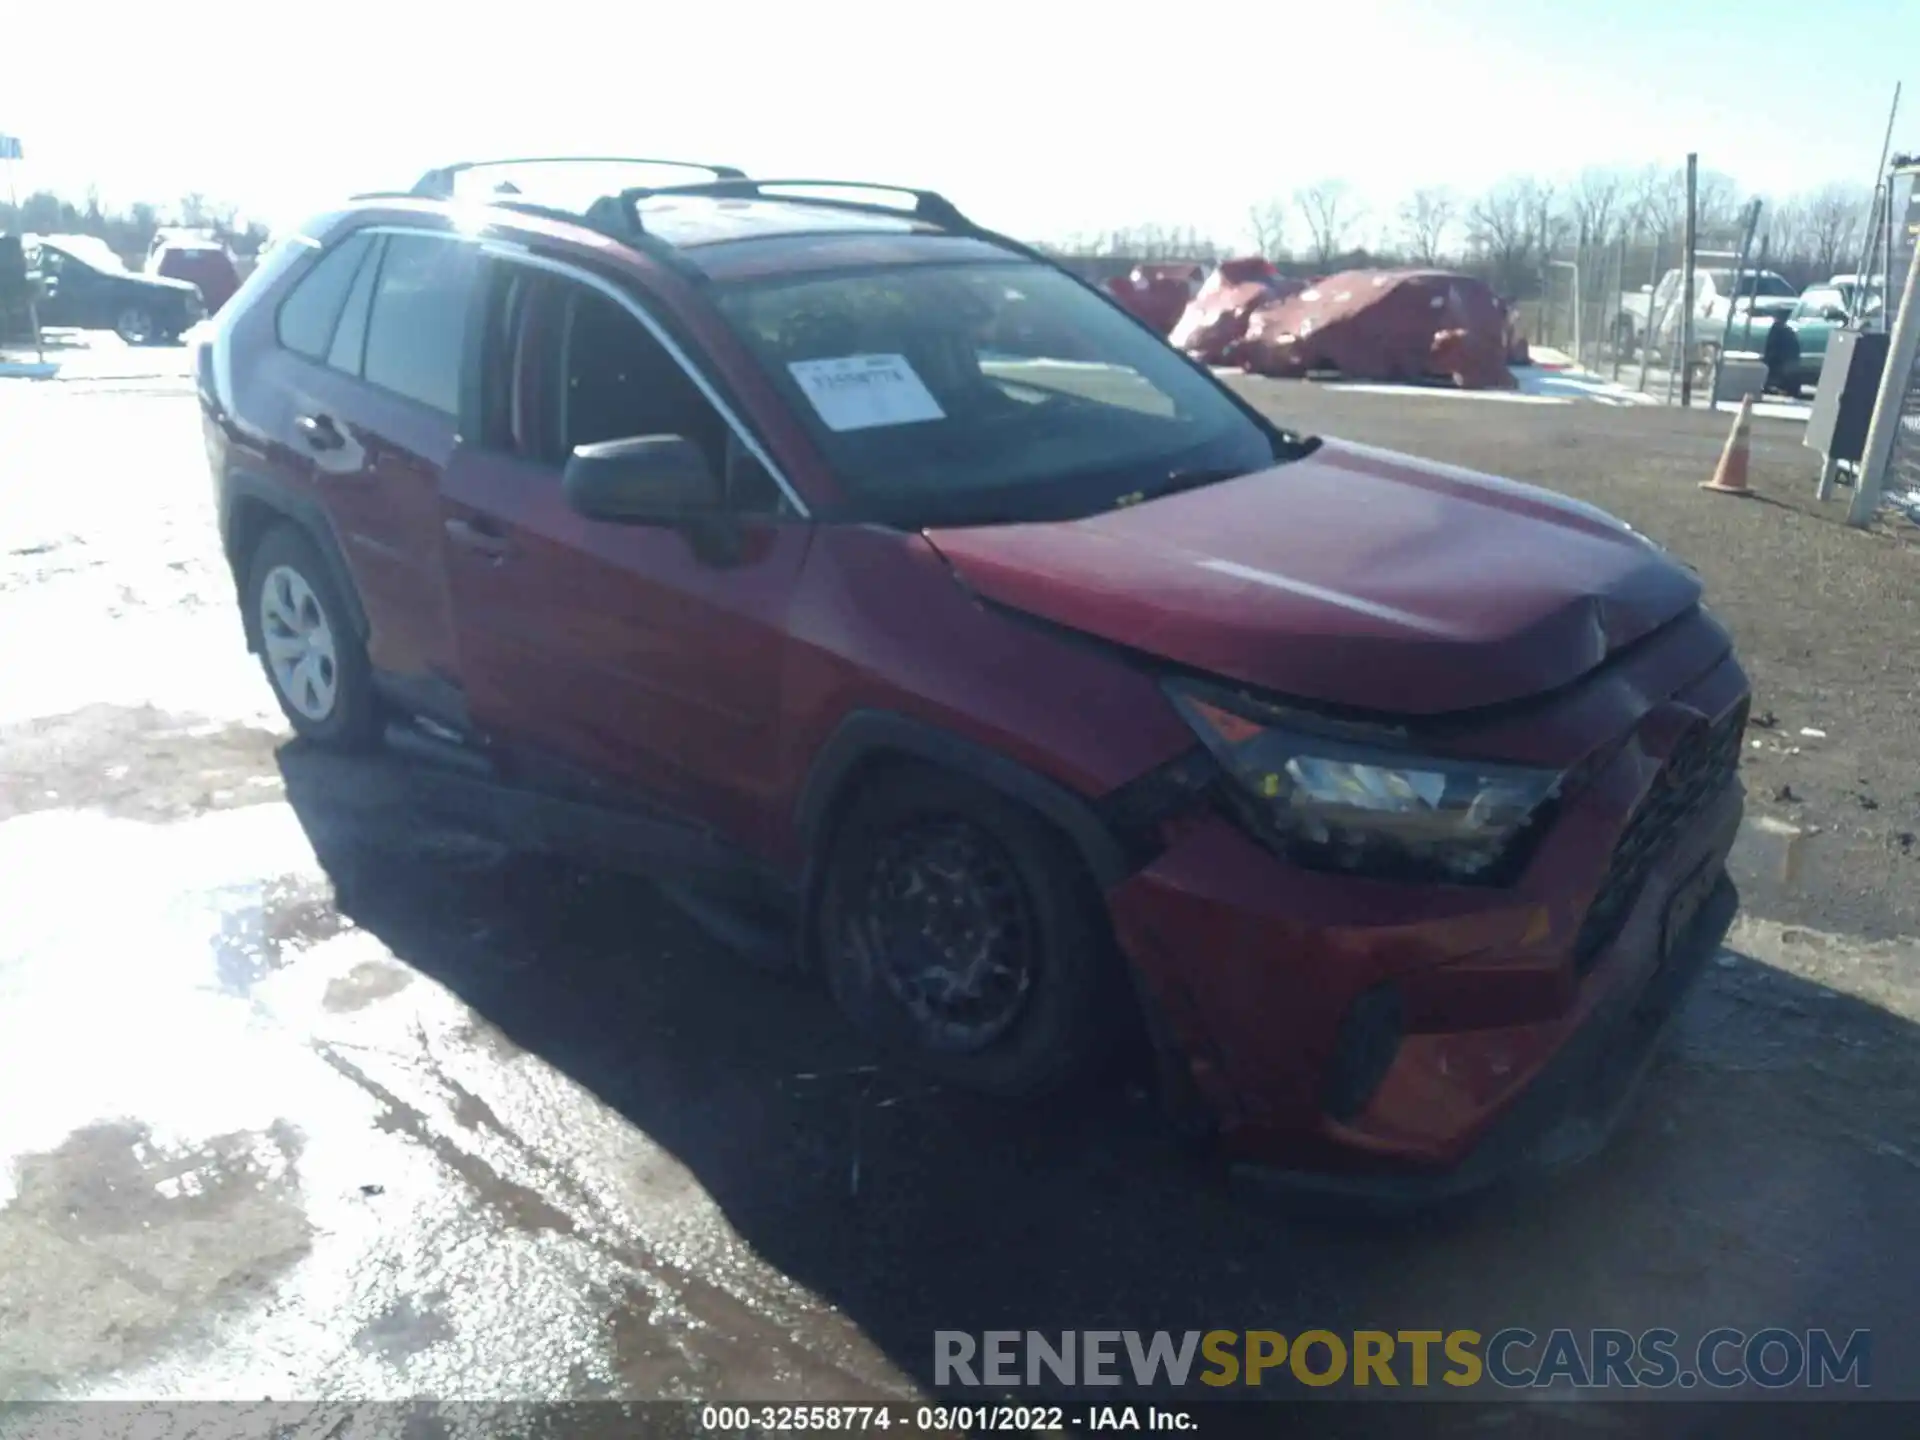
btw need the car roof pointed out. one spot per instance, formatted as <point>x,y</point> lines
<point>726,225</point>
<point>727,230</point>
<point>691,221</point>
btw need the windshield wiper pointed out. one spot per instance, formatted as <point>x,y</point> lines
<point>1191,478</point>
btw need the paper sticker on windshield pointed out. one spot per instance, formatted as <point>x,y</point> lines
<point>858,392</point>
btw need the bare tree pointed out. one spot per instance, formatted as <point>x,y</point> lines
<point>1551,223</point>
<point>1426,217</point>
<point>1658,201</point>
<point>1146,242</point>
<point>1331,213</point>
<point>1504,227</point>
<point>1267,224</point>
<point>1597,201</point>
<point>1719,208</point>
<point>1834,215</point>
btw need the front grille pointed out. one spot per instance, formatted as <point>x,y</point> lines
<point>1701,766</point>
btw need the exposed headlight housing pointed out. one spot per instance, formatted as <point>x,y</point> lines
<point>1331,803</point>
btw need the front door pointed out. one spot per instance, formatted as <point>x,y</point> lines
<point>642,657</point>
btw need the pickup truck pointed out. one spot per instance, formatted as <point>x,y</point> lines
<point>1656,308</point>
<point>1794,345</point>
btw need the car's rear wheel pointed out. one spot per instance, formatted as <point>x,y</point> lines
<point>135,325</point>
<point>960,930</point>
<point>313,659</point>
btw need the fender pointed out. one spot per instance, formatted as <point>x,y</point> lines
<point>285,500</point>
<point>864,734</point>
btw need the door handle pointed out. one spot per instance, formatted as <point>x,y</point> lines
<point>481,538</point>
<point>319,432</point>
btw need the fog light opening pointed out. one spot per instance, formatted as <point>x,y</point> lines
<point>1363,1052</point>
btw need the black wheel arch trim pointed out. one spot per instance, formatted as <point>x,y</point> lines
<point>309,516</point>
<point>869,734</point>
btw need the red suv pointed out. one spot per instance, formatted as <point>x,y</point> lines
<point>894,592</point>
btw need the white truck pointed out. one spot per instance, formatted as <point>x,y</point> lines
<point>1654,310</point>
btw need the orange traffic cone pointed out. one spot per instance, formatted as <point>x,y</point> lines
<point>1730,475</point>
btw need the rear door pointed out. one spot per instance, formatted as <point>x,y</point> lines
<point>378,418</point>
<point>646,660</point>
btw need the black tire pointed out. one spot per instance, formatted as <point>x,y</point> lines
<point>352,722</point>
<point>136,325</point>
<point>1066,1022</point>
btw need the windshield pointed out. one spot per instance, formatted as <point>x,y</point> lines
<point>1750,284</point>
<point>988,391</point>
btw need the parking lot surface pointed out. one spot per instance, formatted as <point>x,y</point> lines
<point>308,1097</point>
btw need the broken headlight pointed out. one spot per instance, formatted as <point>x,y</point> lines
<point>1334,804</point>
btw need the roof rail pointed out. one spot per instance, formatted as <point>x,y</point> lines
<point>928,205</point>
<point>438,184</point>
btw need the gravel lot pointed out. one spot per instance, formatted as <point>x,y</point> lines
<point>309,1098</point>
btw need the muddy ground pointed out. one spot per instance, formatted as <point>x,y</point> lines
<point>305,1097</point>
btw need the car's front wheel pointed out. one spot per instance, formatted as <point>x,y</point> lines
<point>135,325</point>
<point>960,930</point>
<point>307,644</point>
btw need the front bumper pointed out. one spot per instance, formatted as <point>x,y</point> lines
<point>1522,1027</point>
<point>1571,1108</point>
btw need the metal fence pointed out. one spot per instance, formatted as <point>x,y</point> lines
<point>1890,469</point>
<point>1903,469</point>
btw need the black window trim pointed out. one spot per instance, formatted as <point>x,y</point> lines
<point>516,254</point>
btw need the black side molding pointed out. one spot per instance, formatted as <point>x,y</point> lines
<point>247,485</point>
<point>865,734</point>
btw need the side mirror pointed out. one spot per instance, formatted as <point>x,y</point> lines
<point>642,480</point>
<point>1646,289</point>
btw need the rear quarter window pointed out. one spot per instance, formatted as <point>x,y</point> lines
<point>310,312</point>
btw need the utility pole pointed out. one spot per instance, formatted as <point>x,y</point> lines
<point>1689,238</point>
<point>1647,329</point>
<point>1881,189</point>
<point>1733,302</point>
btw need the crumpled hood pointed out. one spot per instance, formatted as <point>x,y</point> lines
<point>1355,577</point>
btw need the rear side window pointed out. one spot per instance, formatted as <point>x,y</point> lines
<point>350,335</point>
<point>308,315</point>
<point>417,332</point>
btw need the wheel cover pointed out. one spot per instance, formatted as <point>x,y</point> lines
<point>941,918</point>
<point>298,643</point>
<point>134,324</point>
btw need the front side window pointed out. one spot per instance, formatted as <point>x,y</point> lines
<point>563,365</point>
<point>416,333</point>
<point>987,391</point>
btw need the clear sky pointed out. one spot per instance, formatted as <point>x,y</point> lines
<point>1045,117</point>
